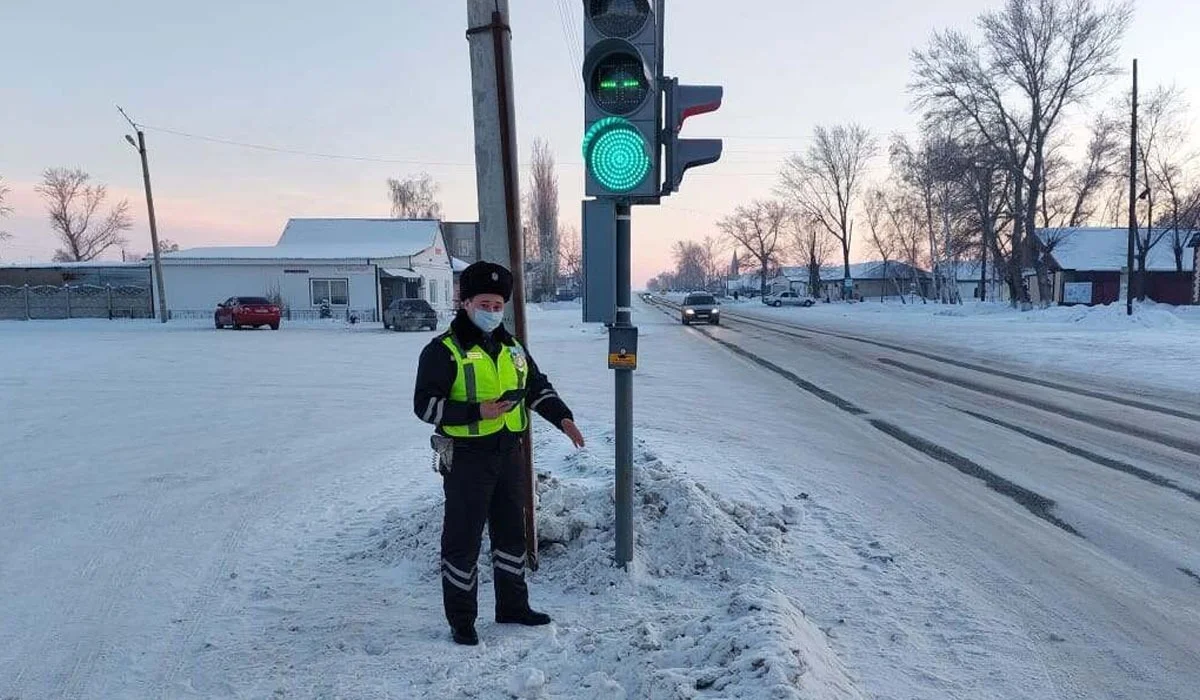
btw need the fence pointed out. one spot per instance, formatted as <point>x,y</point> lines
<point>44,302</point>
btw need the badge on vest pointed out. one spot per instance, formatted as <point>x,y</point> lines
<point>518,358</point>
<point>474,355</point>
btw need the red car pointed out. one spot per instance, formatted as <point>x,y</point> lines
<point>247,311</point>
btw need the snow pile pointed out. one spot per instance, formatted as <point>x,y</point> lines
<point>697,615</point>
<point>1110,316</point>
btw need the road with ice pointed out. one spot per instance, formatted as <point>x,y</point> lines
<point>198,514</point>
<point>1072,504</point>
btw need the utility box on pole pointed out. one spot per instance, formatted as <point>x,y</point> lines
<point>599,261</point>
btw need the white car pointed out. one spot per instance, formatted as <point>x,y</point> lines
<point>787,299</point>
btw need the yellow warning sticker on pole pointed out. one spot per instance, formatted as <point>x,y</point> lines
<point>619,361</point>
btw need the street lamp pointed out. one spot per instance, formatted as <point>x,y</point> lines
<point>140,145</point>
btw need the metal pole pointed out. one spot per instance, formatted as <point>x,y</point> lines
<point>624,395</point>
<point>1133,153</point>
<point>162,294</point>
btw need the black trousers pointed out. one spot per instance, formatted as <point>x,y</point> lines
<point>485,484</point>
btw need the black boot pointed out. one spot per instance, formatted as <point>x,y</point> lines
<point>529,618</point>
<point>465,634</point>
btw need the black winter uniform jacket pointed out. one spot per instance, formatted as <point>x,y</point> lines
<point>437,371</point>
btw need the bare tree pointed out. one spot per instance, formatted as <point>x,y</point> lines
<point>570,255</point>
<point>883,236</point>
<point>414,197</point>
<point>5,210</point>
<point>74,209</point>
<point>759,228</point>
<point>691,266</point>
<point>166,245</point>
<point>812,247</point>
<point>542,213</point>
<point>824,183</point>
<point>1163,162</point>
<point>1036,58</point>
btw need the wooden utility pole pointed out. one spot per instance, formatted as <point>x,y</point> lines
<point>498,185</point>
<point>140,145</point>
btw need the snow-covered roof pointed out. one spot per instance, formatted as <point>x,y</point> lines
<point>403,236</point>
<point>1098,249</point>
<point>874,270</point>
<point>73,265</point>
<point>347,251</point>
<point>331,239</point>
<point>458,265</point>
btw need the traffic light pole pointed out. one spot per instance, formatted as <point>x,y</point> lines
<point>624,394</point>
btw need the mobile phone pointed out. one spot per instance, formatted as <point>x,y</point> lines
<point>513,395</point>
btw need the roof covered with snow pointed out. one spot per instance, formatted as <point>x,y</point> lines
<point>874,270</point>
<point>410,235</point>
<point>1099,249</point>
<point>90,264</point>
<point>458,265</point>
<point>331,239</point>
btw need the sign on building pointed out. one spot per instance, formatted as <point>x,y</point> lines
<point>1077,293</point>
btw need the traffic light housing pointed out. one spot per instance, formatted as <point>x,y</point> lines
<point>623,99</point>
<point>685,101</point>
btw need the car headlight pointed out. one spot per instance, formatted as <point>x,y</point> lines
<point>715,312</point>
<point>689,312</point>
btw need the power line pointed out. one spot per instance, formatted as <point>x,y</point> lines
<point>297,152</point>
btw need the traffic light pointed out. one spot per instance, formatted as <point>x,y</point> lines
<point>621,111</point>
<point>685,101</point>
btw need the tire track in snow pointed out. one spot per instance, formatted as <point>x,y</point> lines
<point>1143,474</point>
<point>1048,384</point>
<point>1037,504</point>
<point>1180,444</point>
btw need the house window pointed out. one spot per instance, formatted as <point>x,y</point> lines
<point>433,291</point>
<point>446,292</point>
<point>336,291</point>
<point>462,248</point>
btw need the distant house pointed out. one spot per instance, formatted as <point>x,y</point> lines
<point>874,280</point>
<point>1087,265</point>
<point>973,284</point>
<point>357,266</point>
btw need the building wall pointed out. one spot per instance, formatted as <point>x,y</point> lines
<point>199,288</point>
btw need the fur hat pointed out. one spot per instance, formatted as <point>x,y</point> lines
<point>485,278</point>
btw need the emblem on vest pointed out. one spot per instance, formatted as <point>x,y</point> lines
<point>518,358</point>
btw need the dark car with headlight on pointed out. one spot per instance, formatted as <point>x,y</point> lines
<point>700,307</point>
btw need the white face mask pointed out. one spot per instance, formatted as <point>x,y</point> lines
<point>487,321</point>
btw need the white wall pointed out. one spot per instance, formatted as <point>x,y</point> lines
<point>433,264</point>
<point>193,288</point>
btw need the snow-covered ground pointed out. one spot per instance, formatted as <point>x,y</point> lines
<point>1156,347</point>
<point>198,514</point>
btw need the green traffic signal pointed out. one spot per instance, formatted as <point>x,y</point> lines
<point>616,155</point>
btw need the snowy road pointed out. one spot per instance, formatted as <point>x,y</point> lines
<point>203,515</point>
<point>1076,514</point>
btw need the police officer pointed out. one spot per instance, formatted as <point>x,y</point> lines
<point>462,376</point>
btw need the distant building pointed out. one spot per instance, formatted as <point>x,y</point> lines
<point>357,266</point>
<point>1087,264</point>
<point>874,280</point>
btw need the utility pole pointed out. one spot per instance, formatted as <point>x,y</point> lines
<point>140,145</point>
<point>1133,154</point>
<point>501,238</point>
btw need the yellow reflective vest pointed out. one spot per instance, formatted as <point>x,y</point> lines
<point>479,379</point>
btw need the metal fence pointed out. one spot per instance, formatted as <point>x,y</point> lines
<point>41,302</point>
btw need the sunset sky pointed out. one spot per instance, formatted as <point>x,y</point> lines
<point>389,81</point>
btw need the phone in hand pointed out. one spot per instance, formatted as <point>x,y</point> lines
<point>513,395</point>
